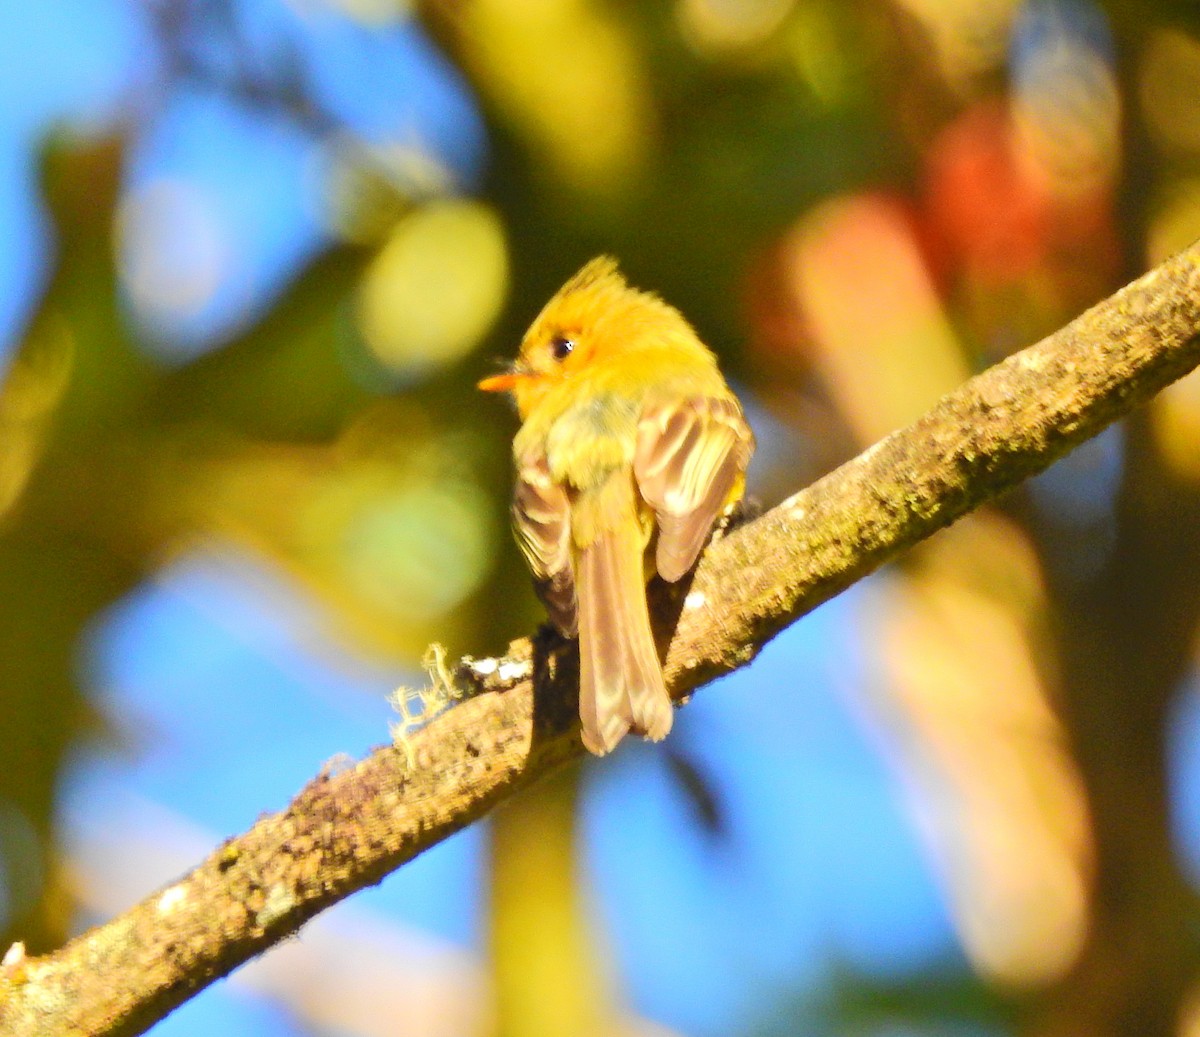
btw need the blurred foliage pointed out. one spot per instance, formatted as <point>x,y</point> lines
<point>857,204</point>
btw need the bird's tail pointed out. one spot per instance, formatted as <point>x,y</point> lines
<point>620,678</point>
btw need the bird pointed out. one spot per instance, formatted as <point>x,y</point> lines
<point>631,447</point>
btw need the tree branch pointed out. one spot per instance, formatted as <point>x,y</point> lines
<point>348,830</point>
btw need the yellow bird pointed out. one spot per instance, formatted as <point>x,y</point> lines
<point>631,446</point>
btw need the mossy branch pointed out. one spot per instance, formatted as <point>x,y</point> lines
<point>348,830</point>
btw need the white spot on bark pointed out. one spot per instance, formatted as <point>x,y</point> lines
<point>280,900</point>
<point>485,667</point>
<point>513,671</point>
<point>171,899</point>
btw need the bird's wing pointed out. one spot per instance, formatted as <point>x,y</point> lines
<point>690,462</point>
<point>542,520</point>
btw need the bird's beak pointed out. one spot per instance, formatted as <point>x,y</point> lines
<point>508,380</point>
<point>500,382</point>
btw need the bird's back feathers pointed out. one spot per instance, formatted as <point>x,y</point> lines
<point>627,427</point>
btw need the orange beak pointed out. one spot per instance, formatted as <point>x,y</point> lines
<point>500,382</point>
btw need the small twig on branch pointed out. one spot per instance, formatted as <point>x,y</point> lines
<point>346,831</point>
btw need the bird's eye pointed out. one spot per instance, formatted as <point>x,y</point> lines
<point>561,347</point>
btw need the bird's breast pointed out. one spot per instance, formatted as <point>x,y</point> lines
<point>591,438</point>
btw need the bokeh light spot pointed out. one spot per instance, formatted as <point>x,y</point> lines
<point>968,39</point>
<point>435,288</point>
<point>1170,84</point>
<point>172,253</point>
<point>373,13</point>
<point>1175,223</point>
<point>1067,103</point>
<point>569,76</point>
<point>1176,420</point>
<point>419,552</point>
<point>715,25</point>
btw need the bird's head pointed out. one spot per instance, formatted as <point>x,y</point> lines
<point>595,316</point>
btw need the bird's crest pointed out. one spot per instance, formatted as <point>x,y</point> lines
<point>601,270</point>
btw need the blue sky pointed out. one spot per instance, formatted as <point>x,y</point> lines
<point>47,75</point>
